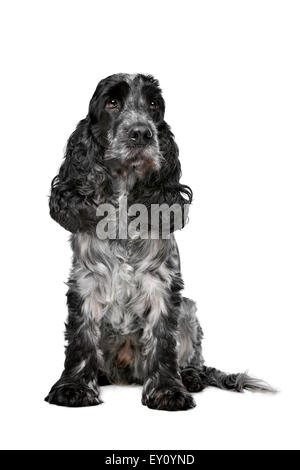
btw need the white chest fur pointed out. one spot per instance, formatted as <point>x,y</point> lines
<point>121,280</point>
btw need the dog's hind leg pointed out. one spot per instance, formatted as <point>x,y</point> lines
<point>102,380</point>
<point>189,346</point>
<point>194,374</point>
<point>78,384</point>
<point>190,336</point>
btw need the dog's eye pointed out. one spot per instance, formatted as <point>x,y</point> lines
<point>153,105</point>
<point>113,103</point>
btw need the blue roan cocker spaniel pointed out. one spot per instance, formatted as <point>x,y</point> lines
<point>128,322</point>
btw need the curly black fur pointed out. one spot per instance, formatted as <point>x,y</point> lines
<point>128,322</point>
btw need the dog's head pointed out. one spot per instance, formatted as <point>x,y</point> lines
<point>127,115</point>
<point>124,136</point>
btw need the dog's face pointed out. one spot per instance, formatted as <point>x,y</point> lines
<point>128,111</point>
<point>122,144</point>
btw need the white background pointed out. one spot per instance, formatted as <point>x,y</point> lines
<point>231,79</point>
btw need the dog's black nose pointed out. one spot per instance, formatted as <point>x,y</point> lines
<point>140,134</point>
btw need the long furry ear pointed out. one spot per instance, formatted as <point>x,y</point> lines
<point>164,187</point>
<point>81,182</point>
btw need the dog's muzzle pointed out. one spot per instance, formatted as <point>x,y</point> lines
<point>135,149</point>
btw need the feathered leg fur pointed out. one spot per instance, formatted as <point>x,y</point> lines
<point>78,384</point>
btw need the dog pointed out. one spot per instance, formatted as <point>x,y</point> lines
<point>128,322</point>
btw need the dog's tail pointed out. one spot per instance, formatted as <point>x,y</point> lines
<point>236,382</point>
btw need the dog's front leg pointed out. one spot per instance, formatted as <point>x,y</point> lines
<point>78,385</point>
<point>163,388</point>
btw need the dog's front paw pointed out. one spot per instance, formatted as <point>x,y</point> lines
<point>72,394</point>
<point>169,399</point>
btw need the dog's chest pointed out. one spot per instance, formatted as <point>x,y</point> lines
<point>124,284</point>
<point>134,288</point>
<point>122,281</point>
